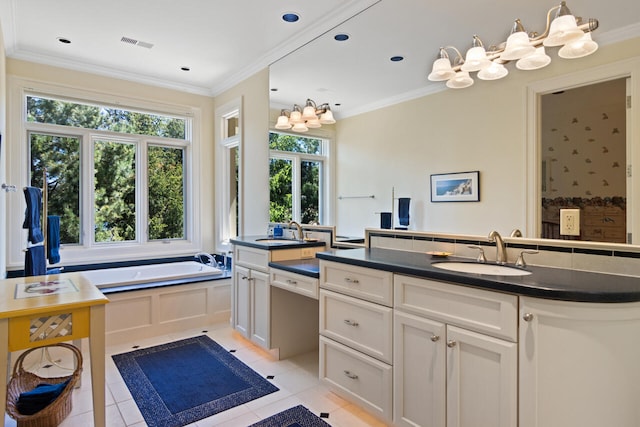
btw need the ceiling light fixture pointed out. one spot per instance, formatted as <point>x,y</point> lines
<point>301,119</point>
<point>528,49</point>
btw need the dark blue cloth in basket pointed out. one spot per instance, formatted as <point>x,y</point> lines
<point>33,401</point>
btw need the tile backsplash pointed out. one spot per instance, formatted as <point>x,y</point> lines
<point>572,254</point>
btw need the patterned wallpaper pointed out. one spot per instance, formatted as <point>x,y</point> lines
<point>584,142</point>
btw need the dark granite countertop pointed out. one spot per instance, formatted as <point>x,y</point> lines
<point>544,282</point>
<point>270,243</point>
<point>307,267</point>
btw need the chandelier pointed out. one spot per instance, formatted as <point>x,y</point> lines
<point>527,49</point>
<point>301,119</point>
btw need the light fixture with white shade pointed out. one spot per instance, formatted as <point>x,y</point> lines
<point>301,120</point>
<point>528,49</point>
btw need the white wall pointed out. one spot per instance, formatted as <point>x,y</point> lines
<point>3,158</point>
<point>479,128</point>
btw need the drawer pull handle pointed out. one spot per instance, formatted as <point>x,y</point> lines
<point>244,277</point>
<point>348,374</point>
<point>291,282</point>
<point>351,322</point>
<point>350,280</point>
<point>451,343</point>
<point>435,338</point>
<point>527,317</point>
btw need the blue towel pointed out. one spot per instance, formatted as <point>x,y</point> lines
<point>53,239</point>
<point>403,210</point>
<point>385,220</point>
<point>33,401</point>
<point>33,196</point>
<point>35,263</point>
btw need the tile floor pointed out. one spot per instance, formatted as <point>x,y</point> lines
<point>297,379</point>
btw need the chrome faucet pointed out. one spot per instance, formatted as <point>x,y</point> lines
<point>299,228</point>
<point>501,251</point>
<point>211,260</point>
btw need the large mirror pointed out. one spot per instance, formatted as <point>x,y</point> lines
<point>326,71</point>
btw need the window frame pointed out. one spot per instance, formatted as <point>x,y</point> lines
<point>18,170</point>
<point>324,218</point>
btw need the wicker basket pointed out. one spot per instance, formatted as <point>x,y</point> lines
<point>23,381</point>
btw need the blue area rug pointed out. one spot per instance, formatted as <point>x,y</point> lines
<point>298,416</point>
<point>178,383</point>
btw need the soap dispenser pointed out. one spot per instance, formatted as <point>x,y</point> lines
<point>277,231</point>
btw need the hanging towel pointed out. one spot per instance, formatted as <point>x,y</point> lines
<point>385,220</point>
<point>35,263</point>
<point>33,196</point>
<point>53,239</point>
<point>403,210</point>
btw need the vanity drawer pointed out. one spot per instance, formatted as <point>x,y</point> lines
<point>256,259</point>
<point>488,312</point>
<point>303,285</point>
<point>359,324</point>
<point>366,283</point>
<point>357,377</point>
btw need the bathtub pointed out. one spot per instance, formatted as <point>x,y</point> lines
<point>170,273</point>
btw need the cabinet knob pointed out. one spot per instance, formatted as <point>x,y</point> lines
<point>351,322</point>
<point>527,317</point>
<point>451,343</point>
<point>351,375</point>
<point>435,338</point>
<point>350,280</point>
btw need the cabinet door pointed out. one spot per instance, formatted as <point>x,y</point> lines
<point>482,380</point>
<point>260,308</point>
<point>419,371</point>
<point>241,300</point>
<point>579,364</point>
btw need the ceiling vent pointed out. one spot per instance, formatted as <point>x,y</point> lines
<point>135,42</point>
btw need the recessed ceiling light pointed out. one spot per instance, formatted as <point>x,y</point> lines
<point>290,17</point>
<point>341,37</point>
<point>64,40</point>
<point>185,68</point>
<point>396,58</point>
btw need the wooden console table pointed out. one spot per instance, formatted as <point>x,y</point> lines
<point>41,310</point>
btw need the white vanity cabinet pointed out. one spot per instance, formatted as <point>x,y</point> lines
<point>356,334</point>
<point>455,355</point>
<point>579,364</point>
<point>251,303</point>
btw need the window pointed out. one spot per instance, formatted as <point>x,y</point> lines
<point>228,120</point>
<point>98,157</point>
<point>297,169</point>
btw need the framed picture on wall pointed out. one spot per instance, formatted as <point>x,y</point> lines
<point>455,187</point>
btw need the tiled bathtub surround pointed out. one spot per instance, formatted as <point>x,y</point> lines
<point>586,256</point>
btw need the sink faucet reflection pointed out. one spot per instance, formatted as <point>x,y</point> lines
<point>298,227</point>
<point>501,251</point>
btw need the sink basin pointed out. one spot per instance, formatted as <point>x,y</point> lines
<point>269,240</point>
<point>478,268</point>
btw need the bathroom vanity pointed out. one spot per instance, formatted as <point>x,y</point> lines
<point>275,293</point>
<point>421,346</point>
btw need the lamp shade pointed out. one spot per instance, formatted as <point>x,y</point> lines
<point>313,123</point>
<point>441,70</point>
<point>476,59</point>
<point>460,81</point>
<point>300,127</point>
<point>327,118</point>
<point>493,72</point>
<point>564,29</point>
<point>296,116</point>
<point>283,122</point>
<point>518,46</point>
<point>537,60</point>
<point>577,49</point>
